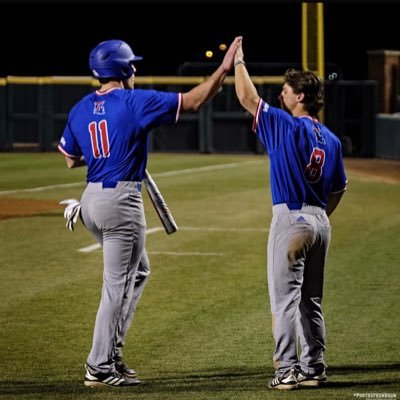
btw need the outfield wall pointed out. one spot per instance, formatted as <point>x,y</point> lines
<point>33,112</point>
<point>387,144</point>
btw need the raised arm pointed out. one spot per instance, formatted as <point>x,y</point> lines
<point>200,94</point>
<point>245,89</point>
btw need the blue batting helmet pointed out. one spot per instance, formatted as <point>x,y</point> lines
<point>112,59</point>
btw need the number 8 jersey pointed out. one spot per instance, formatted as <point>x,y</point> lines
<point>306,162</point>
<point>110,130</point>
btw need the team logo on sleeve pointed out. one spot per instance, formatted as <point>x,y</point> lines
<point>98,107</point>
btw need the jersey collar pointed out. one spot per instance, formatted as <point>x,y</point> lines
<point>107,91</point>
<point>308,116</point>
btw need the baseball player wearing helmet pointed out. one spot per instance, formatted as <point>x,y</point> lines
<point>307,183</point>
<point>108,131</point>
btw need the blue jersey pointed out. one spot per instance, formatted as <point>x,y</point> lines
<point>111,131</point>
<point>306,162</point>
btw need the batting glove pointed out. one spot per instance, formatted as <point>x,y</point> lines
<point>71,212</point>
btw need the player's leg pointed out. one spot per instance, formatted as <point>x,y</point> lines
<point>123,227</point>
<point>140,280</point>
<point>312,325</point>
<point>284,284</point>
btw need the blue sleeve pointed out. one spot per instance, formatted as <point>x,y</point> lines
<point>273,126</point>
<point>339,177</point>
<point>154,108</point>
<point>68,144</point>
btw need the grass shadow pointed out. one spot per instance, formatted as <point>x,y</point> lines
<point>369,375</point>
<point>233,379</point>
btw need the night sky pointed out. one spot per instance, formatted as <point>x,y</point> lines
<point>272,33</point>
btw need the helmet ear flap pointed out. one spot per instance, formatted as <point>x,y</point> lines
<point>127,71</point>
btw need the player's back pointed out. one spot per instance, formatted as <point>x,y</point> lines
<point>319,152</point>
<point>305,158</point>
<point>111,129</point>
<point>109,134</point>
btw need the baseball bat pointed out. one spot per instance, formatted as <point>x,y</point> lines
<point>159,204</point>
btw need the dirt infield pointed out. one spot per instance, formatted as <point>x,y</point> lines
<point>374,169</point>
<point>368,169</point>
<point>12,208</point>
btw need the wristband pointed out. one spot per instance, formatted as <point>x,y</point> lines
<point>240,62</point>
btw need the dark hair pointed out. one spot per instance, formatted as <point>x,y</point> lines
<point>308,83</point>
<point>103,81</point>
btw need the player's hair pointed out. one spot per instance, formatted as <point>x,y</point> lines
<point>103,81</point>
<point>308,83</point>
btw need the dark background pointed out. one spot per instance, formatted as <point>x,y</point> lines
<point>55,38</point>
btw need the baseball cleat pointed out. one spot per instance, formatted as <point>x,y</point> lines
<point>108,379</point>
<point>311,380</point>
<point>285,382</point>
<point>123,368</point>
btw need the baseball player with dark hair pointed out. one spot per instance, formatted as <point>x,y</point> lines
<point>108,131</point>
<point>307,183</point>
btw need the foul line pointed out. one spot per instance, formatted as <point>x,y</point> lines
<point>159,174</point>
<point>44,188</point>
<point>207,168</point>
<point>96,246</point>
<point>89,249</point>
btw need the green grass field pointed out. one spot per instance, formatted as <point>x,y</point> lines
<point>202,329</point>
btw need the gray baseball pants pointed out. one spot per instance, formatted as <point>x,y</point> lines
<point>116,218</point>
<point>297,249</point>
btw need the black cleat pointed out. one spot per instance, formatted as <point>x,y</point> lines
<point>285,382</point>
<point>123,369</point>
<point>311,380</point>
<point>108,379</point>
